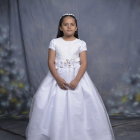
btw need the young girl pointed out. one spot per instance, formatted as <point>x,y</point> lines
<point>67,105</point>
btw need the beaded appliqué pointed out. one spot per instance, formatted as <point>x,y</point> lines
<point>66,63</point>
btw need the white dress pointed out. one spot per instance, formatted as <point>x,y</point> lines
<point>58,114</point>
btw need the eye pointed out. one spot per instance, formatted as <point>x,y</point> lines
<point>65,24</point>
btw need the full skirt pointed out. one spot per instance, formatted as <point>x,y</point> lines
<point>57,114</point>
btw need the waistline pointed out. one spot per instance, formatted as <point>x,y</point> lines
<point>67,63</point>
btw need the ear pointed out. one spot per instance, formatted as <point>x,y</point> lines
<point>60,28</point>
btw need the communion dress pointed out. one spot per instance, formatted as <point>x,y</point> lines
<point>73,114</point>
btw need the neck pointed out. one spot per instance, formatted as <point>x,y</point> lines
<point>69,37</point>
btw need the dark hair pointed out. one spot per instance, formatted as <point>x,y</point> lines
<point>60,33</point>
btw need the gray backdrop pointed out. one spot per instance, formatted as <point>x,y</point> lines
<point>110,29</point>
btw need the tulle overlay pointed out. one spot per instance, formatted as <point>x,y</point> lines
<point>58,114</point>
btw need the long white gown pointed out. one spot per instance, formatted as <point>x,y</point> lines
<point>58,114</point>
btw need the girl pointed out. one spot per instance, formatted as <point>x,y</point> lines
<point>67,105</point>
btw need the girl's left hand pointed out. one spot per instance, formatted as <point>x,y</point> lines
<point>73,84</point>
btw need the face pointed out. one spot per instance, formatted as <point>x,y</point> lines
<point>68,26</point>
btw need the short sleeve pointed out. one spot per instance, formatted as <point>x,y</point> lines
<point>83,46</point>
<point>52,45</point>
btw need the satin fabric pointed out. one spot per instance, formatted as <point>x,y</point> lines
<point>78,114</point>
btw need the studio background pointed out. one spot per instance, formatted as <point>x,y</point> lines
<point>111,31</point>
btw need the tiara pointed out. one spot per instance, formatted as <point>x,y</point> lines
<point>67,14</point>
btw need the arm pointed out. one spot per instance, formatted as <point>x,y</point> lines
<point>51,63</point>
<point>83,67</point>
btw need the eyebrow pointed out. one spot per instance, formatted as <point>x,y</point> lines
<point>70,23</point>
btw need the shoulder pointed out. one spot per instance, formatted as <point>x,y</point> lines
<point>52,44</point>
<point>83,46</point>
<point>82,42</point>
<point>52,40</point>
<point>55,40</point>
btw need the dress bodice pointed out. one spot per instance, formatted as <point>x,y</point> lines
<point>67,50</point>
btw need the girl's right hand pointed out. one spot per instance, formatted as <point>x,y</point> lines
<point>62,83</point>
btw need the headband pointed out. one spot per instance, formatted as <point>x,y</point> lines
<point>67,14</point>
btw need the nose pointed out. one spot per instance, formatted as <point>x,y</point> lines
<point>69,26</point>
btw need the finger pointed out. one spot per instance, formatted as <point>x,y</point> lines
<point>67,84</point>
<point>64,86</point>
<point>72,87</point>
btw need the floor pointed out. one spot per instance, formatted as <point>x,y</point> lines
<point>124,129</point>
